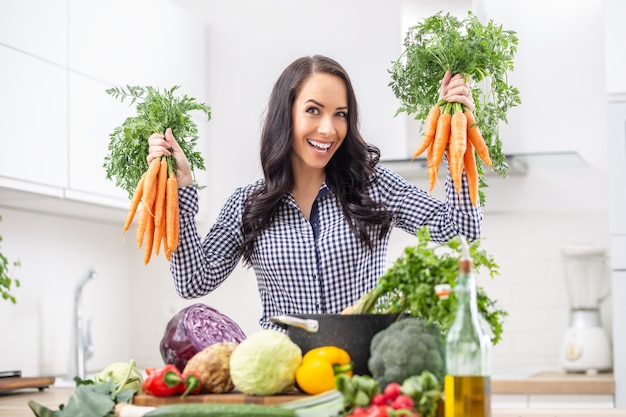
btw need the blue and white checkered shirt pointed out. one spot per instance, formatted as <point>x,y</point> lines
<point>316,265</point>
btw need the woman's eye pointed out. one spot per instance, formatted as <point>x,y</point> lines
<point>342,114</point>
<point>313,110</point>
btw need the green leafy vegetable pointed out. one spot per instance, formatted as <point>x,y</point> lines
<point>89,400</point>
<point>408,286</point>
<point>156,111</point>
<point>407,347</point>
<point>425,390</point>
<point>124,375</point>
<point>483,53</point>
<point>6,282</point>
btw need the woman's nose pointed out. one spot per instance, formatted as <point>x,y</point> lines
<point>326,126</point>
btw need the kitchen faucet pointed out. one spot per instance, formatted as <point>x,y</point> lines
<point>82,348</point>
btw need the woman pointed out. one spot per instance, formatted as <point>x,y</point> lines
<point>316,228</point>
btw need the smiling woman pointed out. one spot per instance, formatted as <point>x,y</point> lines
<point>319,128</point>
<point>316,228</point>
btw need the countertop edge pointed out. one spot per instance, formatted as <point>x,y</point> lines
<point>556,383</point>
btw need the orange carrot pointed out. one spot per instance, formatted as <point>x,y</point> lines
<point>159,205</point>
<point>440,142</point>
<point>430,127</point>
<point>171,213</point>
<point>432,170</point>
<point>456,148</point>
<point>474,135</point>
<point>149,238</point>
<point>141,224</point>
<point>159,233</point>
<point>134,202</point>
<point>176,224</point>
<point>150,184</point>
<point>471,171</point>
<point>166,249</point>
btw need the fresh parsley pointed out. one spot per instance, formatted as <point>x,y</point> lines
<point>156,111</point>
<point>408,286</point>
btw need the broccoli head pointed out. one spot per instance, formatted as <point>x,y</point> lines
<point>406,348</point>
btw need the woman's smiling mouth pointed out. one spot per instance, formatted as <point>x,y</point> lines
<point>319,146</point>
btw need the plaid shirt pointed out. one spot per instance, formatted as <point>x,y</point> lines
<point>316,265</point>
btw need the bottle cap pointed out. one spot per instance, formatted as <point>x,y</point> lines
<point>465,266</point>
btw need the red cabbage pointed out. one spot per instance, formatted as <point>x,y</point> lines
<point>194,328</point>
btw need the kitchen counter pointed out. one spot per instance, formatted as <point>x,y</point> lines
<point>556,383</point>
<point>14,403</point>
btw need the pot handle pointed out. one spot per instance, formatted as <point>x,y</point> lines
<point>309,325</point>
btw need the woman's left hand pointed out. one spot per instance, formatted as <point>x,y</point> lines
<point>456,89</point>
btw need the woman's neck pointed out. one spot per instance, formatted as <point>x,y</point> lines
<point>306,186</point>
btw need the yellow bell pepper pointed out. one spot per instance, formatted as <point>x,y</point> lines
<point>316,373</point>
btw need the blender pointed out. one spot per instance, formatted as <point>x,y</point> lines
<point>586,346</point>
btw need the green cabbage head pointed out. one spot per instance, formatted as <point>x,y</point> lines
<point>125,375</point>
<point>265,363</point>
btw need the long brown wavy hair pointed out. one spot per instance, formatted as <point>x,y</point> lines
<point>348,174</point>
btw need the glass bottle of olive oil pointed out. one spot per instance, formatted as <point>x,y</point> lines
<point>467,384</point>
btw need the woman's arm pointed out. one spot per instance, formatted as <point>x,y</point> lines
<point>199,266</point>
<point>412,208</point>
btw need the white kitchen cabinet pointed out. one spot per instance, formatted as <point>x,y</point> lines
<point>93,115</point>
<point>552,401</point>
<point>617,145</point>
<point>143,42</point>
<point>144,46</point>
<point>36,27</point>
<point>59,57</point>
<point>33,114</point>
<point>116,41</point>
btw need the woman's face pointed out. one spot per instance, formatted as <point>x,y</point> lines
<point>320,121</point>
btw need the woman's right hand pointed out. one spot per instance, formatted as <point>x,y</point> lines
<point>160,145</point>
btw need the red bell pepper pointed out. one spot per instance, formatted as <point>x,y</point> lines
<point>164,382</point>
<point>191,383</point>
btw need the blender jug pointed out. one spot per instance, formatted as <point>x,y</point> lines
<point>585,275</point>
<point>586,346</point>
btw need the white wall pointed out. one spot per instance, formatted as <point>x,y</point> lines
<point>528,218</point>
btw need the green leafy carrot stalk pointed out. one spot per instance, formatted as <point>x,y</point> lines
<point>482,52</point>
<point>156,110</point>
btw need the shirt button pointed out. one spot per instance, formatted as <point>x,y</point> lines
<point>317,306</point>
<point>314,224</point>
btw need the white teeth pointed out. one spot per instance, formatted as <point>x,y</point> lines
<point>320,145</point>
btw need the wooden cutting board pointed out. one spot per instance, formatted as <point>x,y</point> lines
<point>21,382</point>
<point>229,398</point>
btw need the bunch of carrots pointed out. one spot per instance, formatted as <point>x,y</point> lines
<point>451,127</point>
<point>158,222</point>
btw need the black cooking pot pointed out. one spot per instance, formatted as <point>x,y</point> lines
<point>351,332</point>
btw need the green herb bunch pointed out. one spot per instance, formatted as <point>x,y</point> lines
<point>6,282</point>
<point>482,53</point>
<point>408,286</point>
<point>156,111</point>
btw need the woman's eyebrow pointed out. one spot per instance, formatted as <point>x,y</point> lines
<point>321,105</point>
